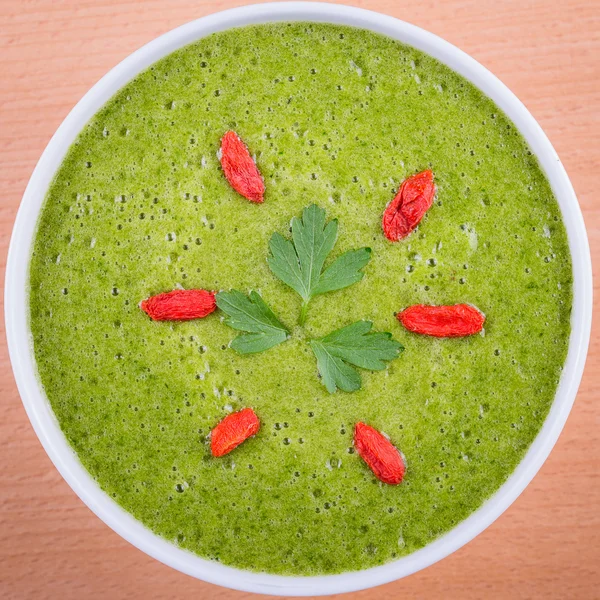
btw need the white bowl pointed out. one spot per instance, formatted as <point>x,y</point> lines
<point>19,337</point>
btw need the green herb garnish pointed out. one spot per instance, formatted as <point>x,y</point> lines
<point>299,263</point>
<point>352,345</point>
<point>251,314</point>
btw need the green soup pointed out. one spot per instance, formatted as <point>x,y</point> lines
<point>338,117</point>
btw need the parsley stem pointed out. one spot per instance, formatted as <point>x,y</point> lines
<point>303,312</point>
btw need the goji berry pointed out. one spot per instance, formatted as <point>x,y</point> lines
<point>442,321</point>
<point>179,305</point>
<point>383,458</point>
<point>405,211</point>
<point>239,168</point>
<point>233,430</point>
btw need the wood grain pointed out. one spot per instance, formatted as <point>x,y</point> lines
<point>547,545</point>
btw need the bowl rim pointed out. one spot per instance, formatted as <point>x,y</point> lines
<point>20,343</point>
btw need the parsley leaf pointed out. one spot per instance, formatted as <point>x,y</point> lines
<point>352,345</point>
<point>299,263</point>
<point>251,314</point>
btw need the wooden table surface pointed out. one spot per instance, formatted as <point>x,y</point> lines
<point>547,545</point>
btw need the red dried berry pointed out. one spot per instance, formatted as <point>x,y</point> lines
<point>442,321</point>
<point>232,431</point>
<point>239,168</point>
<point>405,211</point>
<point>179,305</point>
<point>383,458</point>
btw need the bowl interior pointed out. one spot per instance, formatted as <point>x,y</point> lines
<point>16,301</point>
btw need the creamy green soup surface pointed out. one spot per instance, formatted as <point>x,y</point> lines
<point>338,117</point>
